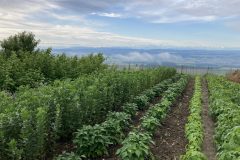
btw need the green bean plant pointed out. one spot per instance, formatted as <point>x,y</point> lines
<point>194,128</point>
<point>224,107</point>
<point>136,147</point>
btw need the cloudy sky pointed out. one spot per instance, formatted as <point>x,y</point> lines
<point>125,23</point>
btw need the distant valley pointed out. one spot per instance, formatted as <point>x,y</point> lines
<point>169,57</point>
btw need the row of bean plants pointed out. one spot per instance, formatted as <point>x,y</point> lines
<point>225,108</point>
<point>137,144</point>
<point>33,120</point>
<point>94,141</point>
<point>194,127</point>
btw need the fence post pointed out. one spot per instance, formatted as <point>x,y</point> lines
<point>207,69</point>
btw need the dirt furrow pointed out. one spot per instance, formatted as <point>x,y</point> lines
<point>208,147</point>
<point>170,141</point>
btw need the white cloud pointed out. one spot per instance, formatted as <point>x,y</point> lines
<point>112,15</point>
<point>70,35</point>
<point>145,57</point>
<point>184,18</point>
<point>75,35</point>
<point>171,11</point>
<point>65,22</point>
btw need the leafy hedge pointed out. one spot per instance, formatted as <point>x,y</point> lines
<point>43,67</point>
<point>23,64</point>
<point>34,119</point>
<point>194,127</point>
<point>136,145</point>
<point>225,108</point>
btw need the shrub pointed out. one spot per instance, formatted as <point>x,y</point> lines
<point>150,94</point>
<point>136,147</point>
<point>149,124</point>
<point>158,89</point>
<point>141,101</point>
<point>69,156</point>
<point>193,155</point>
<point>114,130</point>
<point>231,145</point>
<point>121,117</point>
<point>130,108</point>
<point>92,141</point>
<point>156,111</point>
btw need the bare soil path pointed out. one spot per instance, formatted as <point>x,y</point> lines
<point>170,141</point>
<point>208,147</point>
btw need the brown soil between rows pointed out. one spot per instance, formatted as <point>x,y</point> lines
<point>170,140</point>
<point>208,147</point>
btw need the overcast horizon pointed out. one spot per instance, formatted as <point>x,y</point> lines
<point>196,24</point>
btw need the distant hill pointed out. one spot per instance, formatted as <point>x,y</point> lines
<point>170,57</point>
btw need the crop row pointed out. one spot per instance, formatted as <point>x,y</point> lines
<point>137,144</point>
<point>34,119</point>
<point>194,127</point>
<point>225,108</point>
<point>94,141</point>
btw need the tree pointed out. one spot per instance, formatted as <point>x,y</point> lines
<point>19,43</point>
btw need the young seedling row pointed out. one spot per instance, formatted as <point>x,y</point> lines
<point>194,127</point>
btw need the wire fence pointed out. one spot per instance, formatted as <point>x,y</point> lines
<point>182,69</point>
<point>203,70</point>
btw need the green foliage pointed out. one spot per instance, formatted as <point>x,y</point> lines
<point>150,94</point>
<point>141,101</point>
<point>157,111</point>
<point>161,87</point>
<point>136,147</point>
<point>22,64</point>
<point>194,128</point>
<point>130,108</point>
<point>229,155</point>
<point>114,125</point>
<point>192,154</point>
<point>92,141</point>
<point>149,124</point>
<point>232,140</point>
<point>21,42</point>
<point>13,150</point>
<point>231,145</point>
<point>42,67</point>
<point>69,156</point>
<point>121,117</point>
<point>37,118</point>
<point>224,105</point>
<point>32,120</point>
<point>113,130</point>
